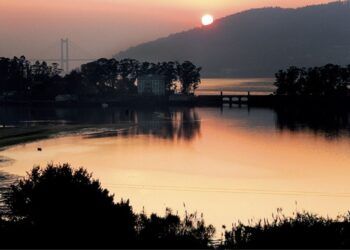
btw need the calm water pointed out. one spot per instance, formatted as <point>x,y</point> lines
<point>229,164</point>
<point>256,86</point>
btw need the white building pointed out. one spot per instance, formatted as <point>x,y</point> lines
<point>151,85</point>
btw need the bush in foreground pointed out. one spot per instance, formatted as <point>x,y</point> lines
<point>171,231</point>
<point>59,207</point>
<point>303,230</point>
<point>61,204</point>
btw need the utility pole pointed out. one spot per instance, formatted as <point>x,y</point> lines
<point>65,55</point>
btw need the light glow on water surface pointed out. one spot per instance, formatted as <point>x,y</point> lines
<point>232,165</point>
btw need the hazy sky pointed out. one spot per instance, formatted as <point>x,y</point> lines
<point>103,27</point>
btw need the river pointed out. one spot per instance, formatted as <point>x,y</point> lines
<point>229,164</point>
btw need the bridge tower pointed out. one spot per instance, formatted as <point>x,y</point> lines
<point>65,55</point>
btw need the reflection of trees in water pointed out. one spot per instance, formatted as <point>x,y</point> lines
<point>172,124</point>
<point>19,116</point>
<point>167,123</point>
<point>188,125</point>
<point>330,122</point>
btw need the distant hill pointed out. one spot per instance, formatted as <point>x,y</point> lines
<point>259,42</point>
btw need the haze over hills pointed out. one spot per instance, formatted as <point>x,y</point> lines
<point>258,42</point>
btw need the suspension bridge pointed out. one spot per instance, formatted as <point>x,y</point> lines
<point>67,54</point>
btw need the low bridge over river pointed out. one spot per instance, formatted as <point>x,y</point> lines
<point>224,99</point>
<point>272,100</point>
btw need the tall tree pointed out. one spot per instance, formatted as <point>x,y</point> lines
<point>189,77</point>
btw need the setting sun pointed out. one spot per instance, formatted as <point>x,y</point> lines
<point>207,20</point>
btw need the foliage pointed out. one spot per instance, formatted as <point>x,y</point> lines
<point>104,78</point>
<point>189,76</point>
<point>59,207</point>
<point>190,232</point>
<point>319,81</point>
<point>60,199</point>
<point>303,230</point>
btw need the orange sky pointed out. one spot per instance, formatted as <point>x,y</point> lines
<point>102,27</point>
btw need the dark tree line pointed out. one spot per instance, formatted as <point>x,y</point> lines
<point>329,80</point>
<point>22,80</point>
<point>112,76</point>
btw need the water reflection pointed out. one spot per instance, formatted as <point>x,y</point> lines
<point>172,124</point>
<point>6,180</point>
<point>166,123</point>
<point>18,116</point>
<point>332,124</point>
<point>178,123</point>
<point>238,158</point>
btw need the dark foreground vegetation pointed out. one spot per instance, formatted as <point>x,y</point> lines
<point>105,78</point>
<point>303,230</point>
<point>59,207</point>
<point>329,80</point>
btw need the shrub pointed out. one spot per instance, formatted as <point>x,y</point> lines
<point>65,206</point>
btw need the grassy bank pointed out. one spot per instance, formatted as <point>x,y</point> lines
<point>18,135</point>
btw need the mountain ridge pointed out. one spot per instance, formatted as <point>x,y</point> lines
<point>258,42</point>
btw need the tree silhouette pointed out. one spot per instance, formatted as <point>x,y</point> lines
<point>59,207</point>
<point>189,76</point>
<point>158,232</point>
<point>61,203</point>
<point>103,78</point>
<point>329,80</point>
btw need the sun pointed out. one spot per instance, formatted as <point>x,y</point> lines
<point>207,19</point>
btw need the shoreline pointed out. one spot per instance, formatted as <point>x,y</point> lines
<point>194,101</point>
<point>19,135</point>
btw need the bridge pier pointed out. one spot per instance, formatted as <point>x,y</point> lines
<point>235,99</point>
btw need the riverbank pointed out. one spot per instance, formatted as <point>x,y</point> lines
<point>150,164</point>
<point>17,135</point>
<point>200,101</point>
